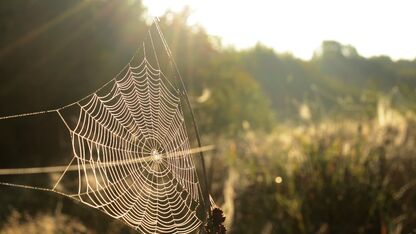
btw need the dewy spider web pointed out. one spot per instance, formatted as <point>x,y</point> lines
<point>131,148</point>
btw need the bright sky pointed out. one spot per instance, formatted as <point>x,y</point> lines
<point>374,27</point>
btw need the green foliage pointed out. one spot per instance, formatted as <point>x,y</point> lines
<point>234,96</point>
<point>236,100</point>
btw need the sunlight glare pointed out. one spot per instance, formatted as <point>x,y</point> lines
<point>299,26</point>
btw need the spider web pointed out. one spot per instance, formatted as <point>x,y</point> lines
<point>132,153</point>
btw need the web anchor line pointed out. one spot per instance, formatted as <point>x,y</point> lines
<point>131,148</point>
<point>69,167</point>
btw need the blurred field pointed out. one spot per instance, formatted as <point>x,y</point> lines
<point>336,177</point>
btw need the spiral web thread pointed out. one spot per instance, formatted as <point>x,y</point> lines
<point>132,150</point>
<point>138,118</point>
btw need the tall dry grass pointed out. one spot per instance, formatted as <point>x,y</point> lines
<point>329,177</point>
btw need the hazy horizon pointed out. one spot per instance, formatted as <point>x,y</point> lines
<point>299,27</point>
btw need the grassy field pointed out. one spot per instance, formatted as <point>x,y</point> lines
<point>326,177</point>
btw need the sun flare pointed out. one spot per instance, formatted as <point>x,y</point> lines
<point>298,27</point>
